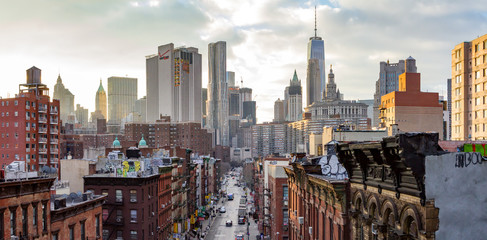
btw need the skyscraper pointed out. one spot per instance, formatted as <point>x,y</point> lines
<point>389,82</point>
<point>316,79</point>
<point>279,112</point>
<point>122,93</point>
<point>294,99</point>
<point>469,82</point>
<point>231,79</point>
<point>174,84</point>
<point>101,101</point>
<point>66,99</point>
<point>81,115</point>
<point>217,92</point>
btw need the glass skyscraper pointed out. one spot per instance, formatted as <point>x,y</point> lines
<point>316,86</point>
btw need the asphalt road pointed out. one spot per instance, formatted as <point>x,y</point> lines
<point>219,230</point>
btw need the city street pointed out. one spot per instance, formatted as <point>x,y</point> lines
<point>219,230</point>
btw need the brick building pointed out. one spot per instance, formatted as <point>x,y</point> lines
<point>165,226</point>
<point>30,126</point>
<point>77,217</point>
<point>410,109</point>
<point>71,144</point>
<point>318,200</point>
<point>131,203</point>
<point>279,203</point>
<point>28,212</point>
<point>165,133</point>
<point>387,187</point>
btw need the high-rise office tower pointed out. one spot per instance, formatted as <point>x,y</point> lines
<point>81,115</point>
<point>294,99</point>
<point>448,93</point>
<point>389,82</point>
<point>332,93</point>
<point>315,82</point>
<point>245,96</point>
<point>140,107</point>
<point>279,116</point>
<point>174,84</point>
<point>469,82</point>
<point>204,99</point>
<point>249,111</point>
<point>231,79</point>
<point>122,93</point>
<point>101,101</point>
<point>218,92</point>
<point>66,99</point>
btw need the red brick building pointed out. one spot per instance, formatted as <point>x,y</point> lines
<point>71,144</point>
<point>131,205</point>
<point>279,203</point>
<point>165,206</point>
<point>77,218</point>
<point>164,133</point>
<point>30,126</point>
<point>318,204</point>
<point>27,213</point>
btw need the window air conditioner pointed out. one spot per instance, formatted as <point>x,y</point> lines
<point>310,230</point>
<point>300,220</point>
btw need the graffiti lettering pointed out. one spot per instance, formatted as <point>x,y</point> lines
<point>466,159</point>
<point>331,167</point>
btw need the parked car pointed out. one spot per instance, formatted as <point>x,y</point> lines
<point>223,210</point>
<point>229,223</point>
<point>241,220</point>
<point>239,237</point>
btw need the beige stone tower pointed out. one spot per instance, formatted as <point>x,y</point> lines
<point>469,90</point>
<point>101,101</point>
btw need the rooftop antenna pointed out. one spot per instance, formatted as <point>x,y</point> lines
<point>315,20</point>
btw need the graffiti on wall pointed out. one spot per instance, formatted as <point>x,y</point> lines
<point>466,159</point>
<point>478,148</point>
<point>331,167</point>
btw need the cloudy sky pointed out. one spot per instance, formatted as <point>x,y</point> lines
<point>266,40</point>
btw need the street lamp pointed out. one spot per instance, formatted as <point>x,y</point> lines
<point>277,234</point>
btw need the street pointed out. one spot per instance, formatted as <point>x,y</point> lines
<point>219,230</point>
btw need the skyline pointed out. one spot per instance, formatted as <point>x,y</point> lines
<point>266,41</point>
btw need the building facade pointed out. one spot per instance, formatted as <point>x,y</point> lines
<point>410,109</point>
<point>318,204</point>
<point>469,83</point>
<point>279,112</point>
<point>269,139</point>
<point>101,101</point>
<point>293,99</point>
<point>30,125</point>
<point>174,84</point>
<point>388,82</point>
<point>65,97</point>
<point>217,117</point>
<point>122,93</point>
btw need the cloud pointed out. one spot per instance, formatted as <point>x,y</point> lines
<point>266,40</point>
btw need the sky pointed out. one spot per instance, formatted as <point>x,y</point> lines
<point>85,41</point>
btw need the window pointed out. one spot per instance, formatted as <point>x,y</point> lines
<point>133,234</point>
<point>106,232</point>
<point>119,215</point>
<point>25,227</point>
<point>97,224</point>
<point>34,214</point>
<point>105,214</point>
<point>133,195</point>
<point>82,230</point>
<point>331,227</point>
<point>16,102</point>
<point>104,192</point>
<point>118,195</point>
<point>119,234</point>
<point>55,236</point>
<point>478,88</point>
<point>13,221</point>
<point>477,101</point>
<point>44,216</point>
<point>16,113</point>
<point>71,232</point>
<point>133,216</point>
<point>477,74</point>
<point>285,192</point>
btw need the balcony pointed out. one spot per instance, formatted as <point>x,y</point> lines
<point>54,160</point>
<point>42,120</point>
<point>27,128</point>
<point>27,118</point>
<point>54,141</point>
<point>54,131</point>
<point>42,109</point>
<point>42,140</point>
<point>54,111</point>
<point>54,151</point>
<point>42,160</point>
<point>42,130</point>
<point>54,121</point>
<point>27,150</point>
<point>27,139</point>
<point>42,150</point>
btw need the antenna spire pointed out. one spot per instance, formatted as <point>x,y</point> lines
<point>315,20</point>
